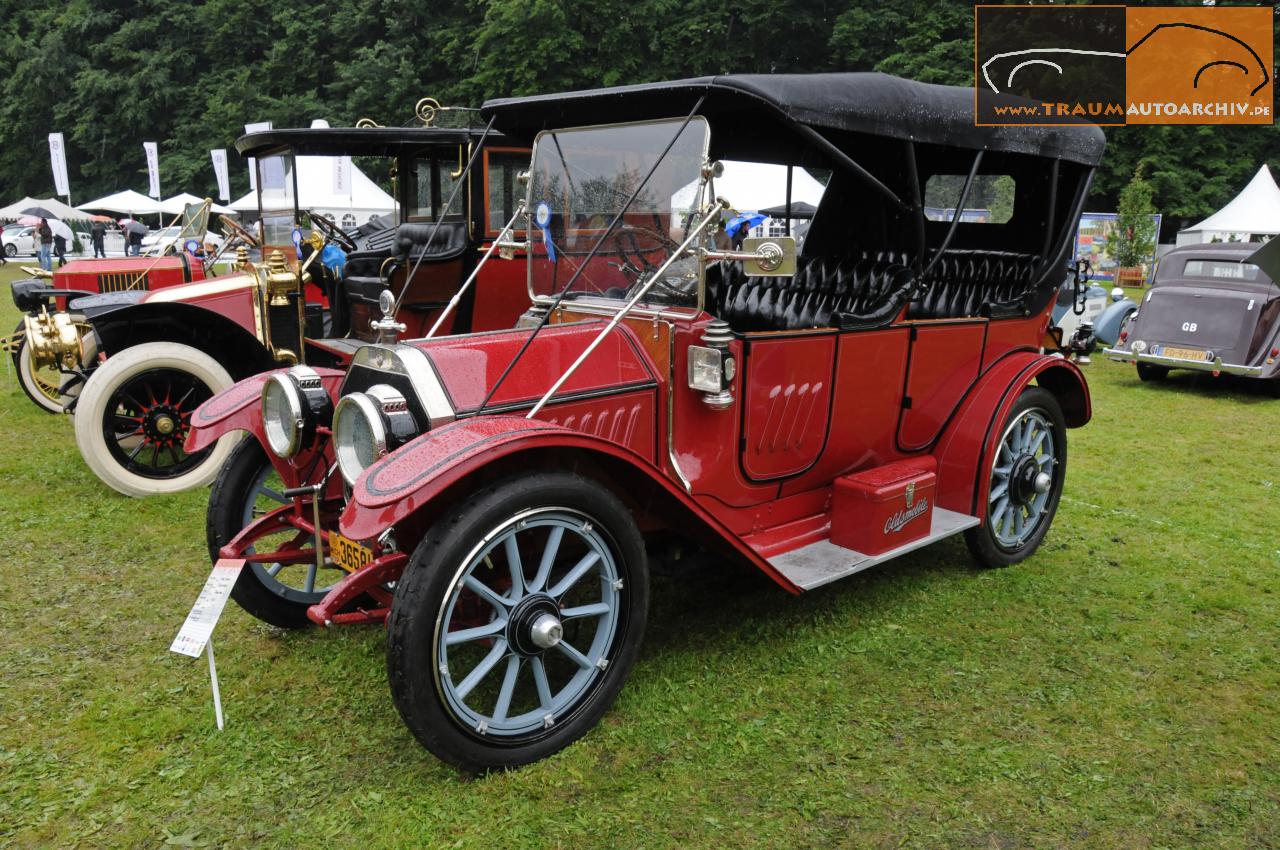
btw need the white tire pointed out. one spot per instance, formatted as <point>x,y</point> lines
<point>41,386</point>
<point>154,387</point>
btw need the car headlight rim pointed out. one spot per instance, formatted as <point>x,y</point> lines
<point>345,448</point>
<point>283,419</point>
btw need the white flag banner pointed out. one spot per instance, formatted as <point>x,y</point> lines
<point>220,171</point>
<point>342,176</point>
<point>257,127</point>
<point>153,167</point>
<point>58,159</point>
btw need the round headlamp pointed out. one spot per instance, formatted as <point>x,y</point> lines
<point>294,405</point>
<point>367,425</point>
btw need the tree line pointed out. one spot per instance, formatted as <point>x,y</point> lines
<point>111,74</point>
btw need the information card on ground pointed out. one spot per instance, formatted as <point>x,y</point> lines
<point>198,628</point>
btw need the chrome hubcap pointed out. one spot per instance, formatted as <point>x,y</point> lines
<point>546,631</point>
<point>1021,479</point>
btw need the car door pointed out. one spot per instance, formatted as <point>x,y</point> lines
<point>786,404</point>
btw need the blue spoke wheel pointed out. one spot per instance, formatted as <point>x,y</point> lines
<point>517,621</point>
<point>1024,481</point>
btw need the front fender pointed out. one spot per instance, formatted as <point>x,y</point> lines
<point>966,447</point>
<point>1106,328</point>
<point>403,483</point>
<point>236,409</point>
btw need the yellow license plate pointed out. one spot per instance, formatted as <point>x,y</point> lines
<point>1182,353</point>
<point>347,553</point>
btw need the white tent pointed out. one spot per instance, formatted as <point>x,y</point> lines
<point>1254,212</point>
<point>361,202</point>
<point>59,209</point>
<point>126,201</point>
<point>178,204</point>
<point>748,186</point>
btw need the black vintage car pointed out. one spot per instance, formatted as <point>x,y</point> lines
<point>1210,310</point>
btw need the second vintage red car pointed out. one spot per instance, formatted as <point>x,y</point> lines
<point>498,498</point>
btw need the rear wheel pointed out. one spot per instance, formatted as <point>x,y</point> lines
<point>517,621</point>
<point>135,411</point>
<point>1024,481</point>
<point>11,250</point>
<point>276,592</point>
<point>1148,372</point>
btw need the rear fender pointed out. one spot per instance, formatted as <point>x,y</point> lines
<point>408,482</point>
<point>1106,328</point>
<point>237,409</point>
<point>967,446</point>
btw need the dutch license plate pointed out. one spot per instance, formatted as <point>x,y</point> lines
<point>348,554</point>
<point>1182,353</point>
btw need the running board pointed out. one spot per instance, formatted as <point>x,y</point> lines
<point>824,562</point>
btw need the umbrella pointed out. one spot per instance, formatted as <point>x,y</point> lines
<point>29,220</point>
<point>750,219</point>
<point>60,228</point>
<point>39,212</point>
<point>105,219</point>
<point>134,226</point>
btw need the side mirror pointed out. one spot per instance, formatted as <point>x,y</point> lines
<point>771,256</point>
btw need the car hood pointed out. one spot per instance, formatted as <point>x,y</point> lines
<point>469,365</point>
<point>1232,323</point>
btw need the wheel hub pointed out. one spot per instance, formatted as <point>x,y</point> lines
<point>1027,481</point>
<point>534,625</point>
<point>162,424</point>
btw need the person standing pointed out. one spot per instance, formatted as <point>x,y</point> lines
<point>98,236</point>
<point>45,234</point>
<point>60,249</point>
<point>135,241</point>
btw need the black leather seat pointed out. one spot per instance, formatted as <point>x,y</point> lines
<point>825,292</point>
<point>974,283</point>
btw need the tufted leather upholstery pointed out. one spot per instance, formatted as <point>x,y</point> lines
<point>971,283</point>
<point>825,292</point>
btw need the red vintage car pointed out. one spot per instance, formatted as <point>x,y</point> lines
<point>137,360</point>
<point>498,498</point>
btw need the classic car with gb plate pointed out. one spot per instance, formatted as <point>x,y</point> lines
<point>498,498</point>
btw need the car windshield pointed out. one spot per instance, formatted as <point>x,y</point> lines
<point>581,180</point>
<point>276,198</point>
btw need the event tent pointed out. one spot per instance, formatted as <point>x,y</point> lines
<point>315,174</point>
<point>752,185</point>
<point>1252,213</point>
<point>126,201</point>
<point>53,205</point>
<point>178,204</point>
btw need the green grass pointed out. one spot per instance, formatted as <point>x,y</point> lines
<point>1118,690</point>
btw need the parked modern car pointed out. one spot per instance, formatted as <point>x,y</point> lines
<point>19,240</point>
<point>164,241</point>
<point>1208,310</point>
<point>147,359</point>
<point>496,498</point>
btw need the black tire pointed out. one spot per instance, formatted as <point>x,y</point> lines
<point>430,593</point>
<point>256,592</point>
<point>984,542</point>
<point>11,250</point>
<point>1148,372</point>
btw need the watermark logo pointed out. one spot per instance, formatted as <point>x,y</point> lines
<point>1113,65</point>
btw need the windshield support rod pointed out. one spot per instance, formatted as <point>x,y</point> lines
<point>546,317</point>
<point>466,284</point>
<point>457,187</point>
<point>1053,203</point>
<point>955,219</point>
<point>913,177</point>
<point>621,314</point>
<point>849,163</point>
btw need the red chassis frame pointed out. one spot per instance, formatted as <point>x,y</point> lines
<point>611,420</point>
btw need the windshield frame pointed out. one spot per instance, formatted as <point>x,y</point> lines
<point>609,306</point>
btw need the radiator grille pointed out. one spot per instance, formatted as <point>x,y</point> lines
<point>284,326</point>
<point>121,281</point>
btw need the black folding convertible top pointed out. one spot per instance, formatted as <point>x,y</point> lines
<point>366,141</point>
<point>876,104</point>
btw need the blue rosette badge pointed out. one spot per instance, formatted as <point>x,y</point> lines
<point>542,218</point>
<point>297,241</point>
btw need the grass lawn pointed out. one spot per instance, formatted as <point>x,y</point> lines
<point>1119,690</point>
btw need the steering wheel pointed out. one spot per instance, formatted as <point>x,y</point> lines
<point>641,265</point>
<point>237,231</point>
<point>332,232</point>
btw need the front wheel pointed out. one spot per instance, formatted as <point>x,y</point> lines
<point>1024,481</point>
<point>517,621</point>
<point>135,411</point>
<point>40,384</point>
<point>276,592</point>
<point>11,250</point>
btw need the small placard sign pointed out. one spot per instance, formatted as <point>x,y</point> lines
<point>198,628</point>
